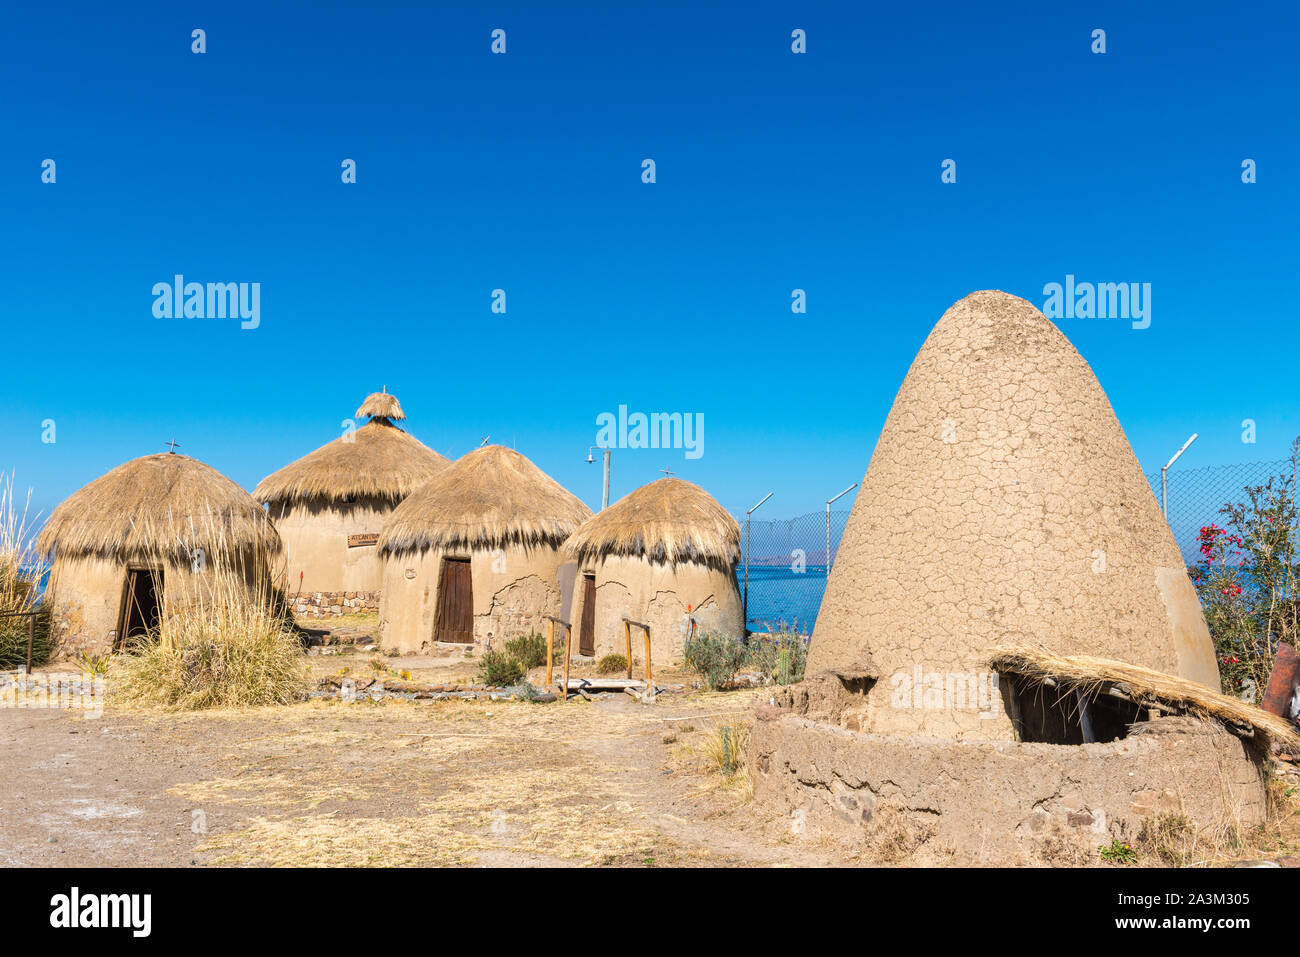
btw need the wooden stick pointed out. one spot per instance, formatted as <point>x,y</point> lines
<point>550,649</point>
<point>649,675</point>
<point>568,649</point>
<point>627,634</point>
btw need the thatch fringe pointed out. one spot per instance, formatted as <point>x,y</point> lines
<point>1094,676</point>
<point>490,498</point>
<point>668,522</point>
<point>378,460</point>
<point>158,504</point>
<point>381,405</point>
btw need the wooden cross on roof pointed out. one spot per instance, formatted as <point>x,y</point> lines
<point>667,471</point>
<point>174,445</point>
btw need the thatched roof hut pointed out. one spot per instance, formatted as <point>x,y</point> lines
<point>492,497</point>
<point>668,522</point>
<point>377,461</point>
<point>664,555</point>
<point>474,555</point>
<point>329,506</point>
<point>146,535</point>
<point>157,503</point>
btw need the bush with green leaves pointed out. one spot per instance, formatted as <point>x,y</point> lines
<point>496,669</point>
<point>1248,580</point>
<point>528,650</point>
<point>780,655</point>
<point>714,657</point>
<point>611,665</point>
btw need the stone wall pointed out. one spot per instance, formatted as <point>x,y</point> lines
<point>331,604</point>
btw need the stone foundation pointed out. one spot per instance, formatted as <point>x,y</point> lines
<point>937,800</point>
<point>331,604</point>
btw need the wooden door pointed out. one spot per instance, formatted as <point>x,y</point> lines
<point>454,620</point>
<point>587,628</point>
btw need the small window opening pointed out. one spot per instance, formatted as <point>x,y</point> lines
<point>1057,714</point>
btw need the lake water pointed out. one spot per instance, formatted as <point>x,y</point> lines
<point>778,594</point>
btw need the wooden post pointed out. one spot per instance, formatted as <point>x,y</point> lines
<point>627,635</point>
<point>550,649</point>
<point>568,648</point>
<point>31,632</point>
<point>649,675</point>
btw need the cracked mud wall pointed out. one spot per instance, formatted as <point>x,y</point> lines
<point>657,595</point>
<point>1003,504</point>
<point>315,536</point>
<point>993,799</point>
<point>514,588</point>
<point>85,595</point>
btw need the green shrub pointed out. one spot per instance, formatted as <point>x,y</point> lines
<point>528,650</point>
<point>781,656</point>
<point>496,669</point>
<point>714,657</point>
<point>611,664</point>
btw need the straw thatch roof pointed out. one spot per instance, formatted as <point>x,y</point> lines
<point>1143,686</point>
<point>158,504</point>
<point>382,405</point>
<point>490,498</point>
<point>665,522</point>
<point>378,460</point>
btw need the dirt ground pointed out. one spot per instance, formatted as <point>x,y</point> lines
<point>403,782</point>
<point>390,782</point>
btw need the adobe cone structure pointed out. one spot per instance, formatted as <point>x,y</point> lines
<point>473,556</point>
<point>1010,663</point>
<point>664,555</point>
<point>1002,506</point>
<point>152,533</point>
<point>330,505</point>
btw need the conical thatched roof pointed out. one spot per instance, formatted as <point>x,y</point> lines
<point>382,405</point>
<point>666,522</point>
<point>158,504</point>
<point>378,460</point>
<point>490,498</point>
<point>1004,505</point>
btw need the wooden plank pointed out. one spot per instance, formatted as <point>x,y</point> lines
<point>550,648</point>
<point>363,540</point>
<point>627,635</point>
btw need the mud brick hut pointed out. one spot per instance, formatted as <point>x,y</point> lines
<point>330,505</point>
<point>1009,647</point>
<point>665,555</point>
<point>152,533</point>
<point>473,556</point>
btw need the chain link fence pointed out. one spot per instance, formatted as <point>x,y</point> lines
<point>788,558</point>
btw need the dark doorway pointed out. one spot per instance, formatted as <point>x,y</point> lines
<point>587,628</point>
<point>454,620</point>
<point>1051,714</point>
<point>140,604</point>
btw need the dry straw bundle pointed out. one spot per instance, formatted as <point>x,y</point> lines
<point>1093,676</point>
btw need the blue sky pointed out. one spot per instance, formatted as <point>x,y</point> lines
<point>775,171</point>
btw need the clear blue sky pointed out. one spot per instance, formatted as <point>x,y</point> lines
<point>775,171</point>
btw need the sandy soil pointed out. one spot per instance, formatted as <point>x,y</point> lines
<point>386,783</point>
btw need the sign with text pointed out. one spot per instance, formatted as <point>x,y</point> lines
<point>368,538</point>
